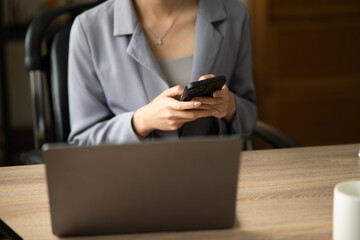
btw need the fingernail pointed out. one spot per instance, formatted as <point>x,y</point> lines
<point>215,113</point>
<point>197,104</point>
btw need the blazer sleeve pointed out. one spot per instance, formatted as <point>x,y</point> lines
<point>242,86</point>
<point>92,122</point>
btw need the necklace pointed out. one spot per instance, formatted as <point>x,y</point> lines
<point>160,40</point>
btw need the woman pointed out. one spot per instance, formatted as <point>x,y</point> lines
<point>129,60</point>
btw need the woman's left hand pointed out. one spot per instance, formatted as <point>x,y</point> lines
<point>222,103</point>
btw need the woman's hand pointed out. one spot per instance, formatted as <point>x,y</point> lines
<point>166,113</point>
<point>222,104</point>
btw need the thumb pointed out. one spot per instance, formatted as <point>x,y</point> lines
<point>173,92</point>
<point>203,77</point>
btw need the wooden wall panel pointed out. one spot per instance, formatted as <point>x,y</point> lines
<point>306,59</point>
<point>319,119</point>
<point>302,52</point>
<point>314,8</point>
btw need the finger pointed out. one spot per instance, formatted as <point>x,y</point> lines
<point>221,93</point>
<point>203,77</point>
<point>181,106</point>
<point>192,115</point>
<point>213,107</point>
<point>208,100</point>
<point>173,92</point>
<point>218,114</point>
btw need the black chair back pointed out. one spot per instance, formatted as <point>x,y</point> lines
<point>49,125</point>
<point>58,84</point>
<point>53,64</point>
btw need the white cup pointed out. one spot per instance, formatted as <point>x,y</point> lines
<point>346,217</point>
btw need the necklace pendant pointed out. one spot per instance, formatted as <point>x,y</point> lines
<point>160,42</point>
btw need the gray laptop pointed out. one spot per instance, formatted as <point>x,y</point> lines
<point>148,187</point>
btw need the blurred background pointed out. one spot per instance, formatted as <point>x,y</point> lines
<point>306,63</point>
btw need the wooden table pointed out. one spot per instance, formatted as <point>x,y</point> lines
<point>282,194</point>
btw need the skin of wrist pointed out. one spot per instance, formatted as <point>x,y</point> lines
<point>139,125</point>
<point>232,109</point>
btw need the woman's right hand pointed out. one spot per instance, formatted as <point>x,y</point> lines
<point>166,113</point>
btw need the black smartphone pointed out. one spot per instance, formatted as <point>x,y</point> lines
<point>203,88</point>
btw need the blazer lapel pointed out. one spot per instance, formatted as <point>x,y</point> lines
<point>140,51</point>
<point>208,39</point>
<point>126,23</point>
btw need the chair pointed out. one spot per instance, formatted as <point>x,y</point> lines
<point>54,64</point>
<point>274,137</point>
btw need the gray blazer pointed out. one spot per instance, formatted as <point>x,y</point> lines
<point>112,71</point>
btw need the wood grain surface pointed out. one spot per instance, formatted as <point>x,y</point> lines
<point>282,194</point>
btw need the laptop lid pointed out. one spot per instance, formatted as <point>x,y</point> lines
<point>148,187</point>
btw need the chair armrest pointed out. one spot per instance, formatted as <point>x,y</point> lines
<point>273,136</point>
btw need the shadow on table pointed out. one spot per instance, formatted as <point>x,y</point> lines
<point>191,235</point>
<point>229,234</point>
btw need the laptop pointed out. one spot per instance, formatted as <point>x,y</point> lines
<point>148,187</point>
